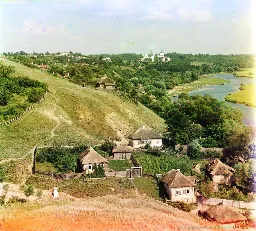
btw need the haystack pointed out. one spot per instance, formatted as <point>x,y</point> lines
<point>223,214</point>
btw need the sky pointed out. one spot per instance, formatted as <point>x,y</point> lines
<point>127,26</point>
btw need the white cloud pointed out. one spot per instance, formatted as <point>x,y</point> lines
<point>185,10</point>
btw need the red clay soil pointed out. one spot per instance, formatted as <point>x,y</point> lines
<point>86,221</point>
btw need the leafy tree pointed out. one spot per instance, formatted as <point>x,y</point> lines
<point>238,137</point>
<point>107,146</point>
<point>194,150</point>
<point>6,70</point>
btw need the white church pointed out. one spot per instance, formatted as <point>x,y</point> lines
<point>161,57</point>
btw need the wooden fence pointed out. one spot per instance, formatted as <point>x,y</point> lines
<point>23,113</point>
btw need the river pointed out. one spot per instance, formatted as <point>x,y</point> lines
<point>220,91</point>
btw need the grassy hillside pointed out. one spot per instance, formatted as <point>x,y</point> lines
<point>71,114</point>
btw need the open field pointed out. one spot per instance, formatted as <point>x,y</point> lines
<point>245,96</point>
<point>71,114</point>
<point>246,72</point>
<point>104,213</point>
<point>205,80</point>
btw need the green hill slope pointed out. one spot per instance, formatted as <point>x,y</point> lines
<point>71,114</point>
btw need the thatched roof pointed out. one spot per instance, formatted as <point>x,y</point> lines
<point>175,179</point>
<point>122,149</point>
<point>216,167</point>
<point>106,81</point>
<point>223,214</point>
<point>90,156</point>
<point>145,133</point>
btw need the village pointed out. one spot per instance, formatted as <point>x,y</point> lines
<point>175,188</point>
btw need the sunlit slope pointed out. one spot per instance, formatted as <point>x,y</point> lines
<point>71,114</point>
<point>112,213</point>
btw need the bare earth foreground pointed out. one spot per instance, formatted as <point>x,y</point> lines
<point>105,213</point>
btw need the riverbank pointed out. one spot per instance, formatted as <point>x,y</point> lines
<point>203,81</point>
<point>246,72</point>
<point>246,95</point>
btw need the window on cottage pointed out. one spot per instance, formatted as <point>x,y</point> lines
<point>90,167</point>
<point>187,190</point>
<point>177,193</point>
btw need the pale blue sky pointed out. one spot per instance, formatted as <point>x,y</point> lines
<point>121,26</point>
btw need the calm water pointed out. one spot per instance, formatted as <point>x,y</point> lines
<point>220,91</point>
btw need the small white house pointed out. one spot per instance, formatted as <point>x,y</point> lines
<point>179,187</point>
<point>89,158</point>
<point>146,135</point>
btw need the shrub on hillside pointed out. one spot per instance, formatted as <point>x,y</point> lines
<point>29,190</point>
<point>182,206</point>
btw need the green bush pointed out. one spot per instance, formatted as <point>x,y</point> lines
<point>194,150</point>
<point>98,171</point>
<point>29,190</point>
<point>182,206</point>
<point>63,159</point>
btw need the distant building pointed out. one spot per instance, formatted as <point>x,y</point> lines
<point>220,174</point>
<point>106,83</point>
<point>122,152</point>
<point>64,54</point>
<point>161,57</point>
<point>179,187</point>
<point>148,57</point>
<point>146,135</point>
<point>108,59</point>
<point>89,158</point>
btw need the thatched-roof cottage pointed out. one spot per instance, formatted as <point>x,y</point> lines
<point>223,214</point>
<point>106,83</point>
<point>179,187</point>
<point>90,157</point>
<point>122,152</point>
<point>146,135</point>
<point>219,173</point>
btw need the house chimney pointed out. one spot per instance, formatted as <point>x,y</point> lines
<point>178,170</point>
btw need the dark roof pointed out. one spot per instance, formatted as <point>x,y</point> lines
<point>122,148</point>
<point>90,156</point>
<point>145,133</point>
<point>175,179</point>
<point>224,214</point>
<point>216,167</point>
